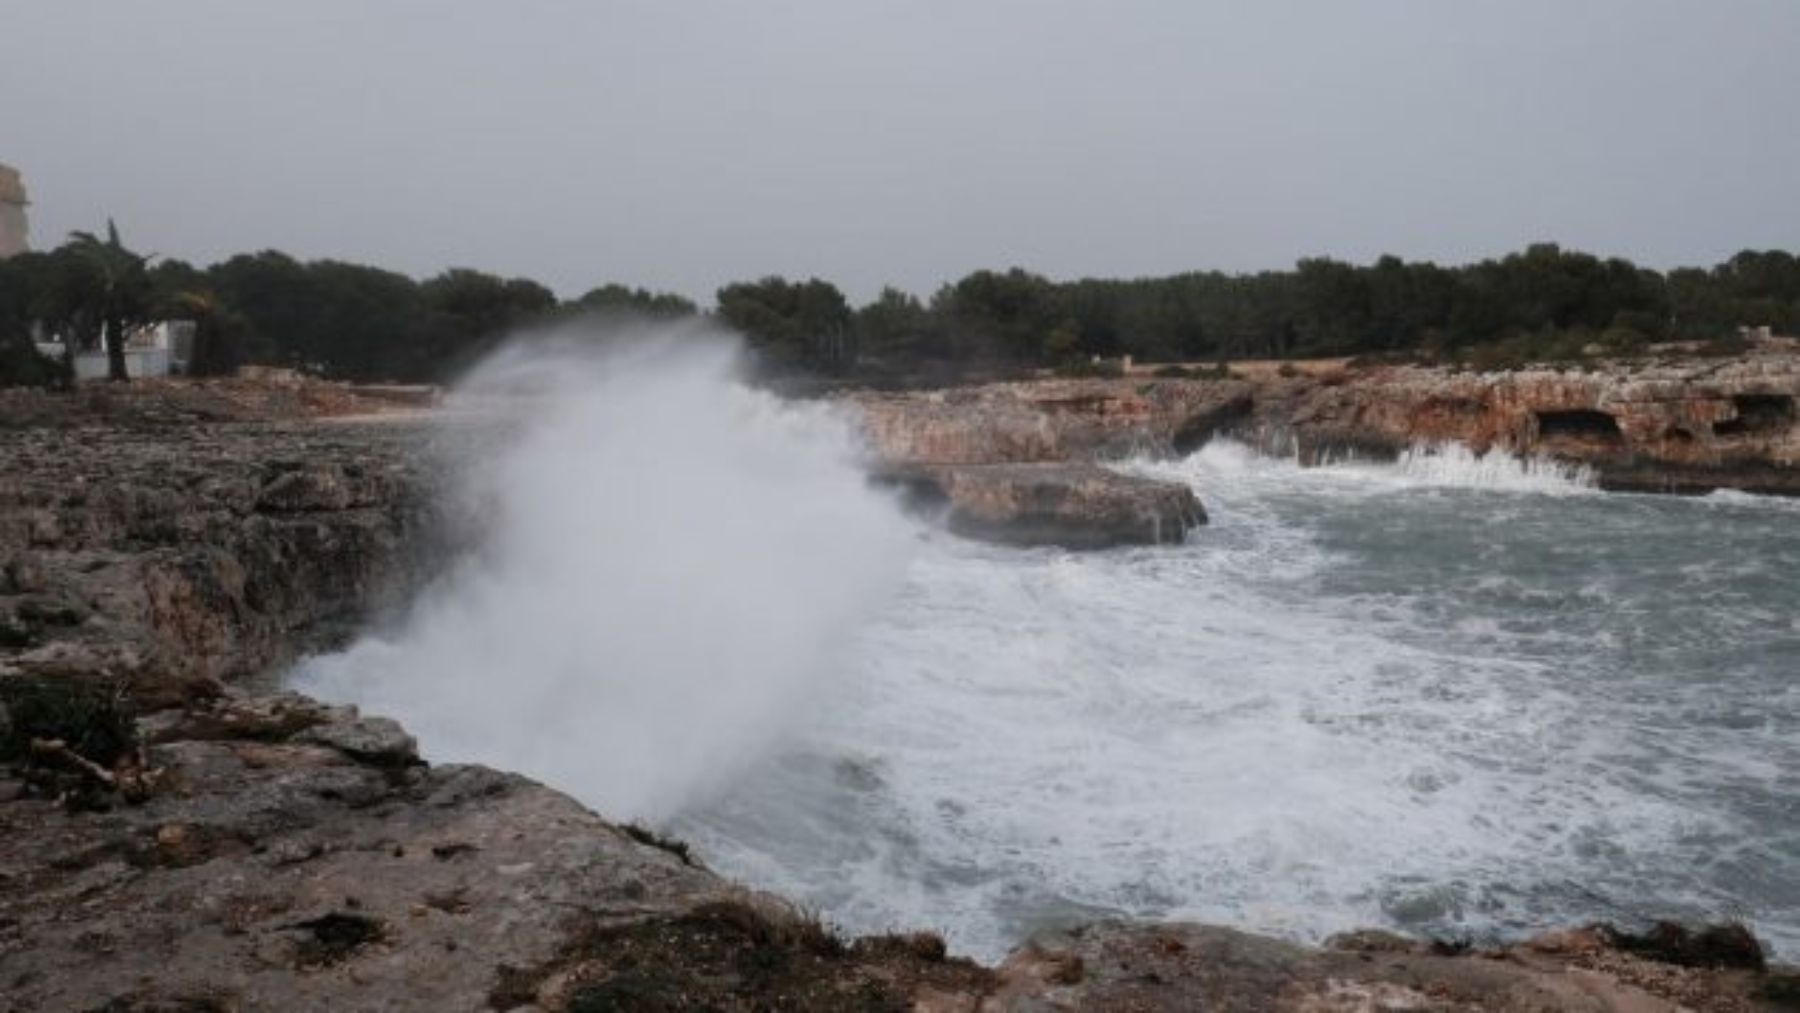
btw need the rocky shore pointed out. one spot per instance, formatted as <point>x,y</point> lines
<point>1014,463</point>
<point>177,835</point>
<point>1684,425</point>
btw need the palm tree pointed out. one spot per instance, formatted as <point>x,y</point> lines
<point>121,293</point>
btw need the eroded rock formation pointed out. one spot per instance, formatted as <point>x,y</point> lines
<point>1684,425</point>
<point>1049,420</point>
<point>1015,463</point>
<point>172,557</point>
<point>1073,505</point>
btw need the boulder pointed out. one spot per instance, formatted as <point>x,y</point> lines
<point>1075,506</point>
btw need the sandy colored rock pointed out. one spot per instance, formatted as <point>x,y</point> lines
<point>1077,506</point>
<point>1679,426</point>
<point>1675,424</point>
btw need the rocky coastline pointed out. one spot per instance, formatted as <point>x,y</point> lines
<point>1678,425</point>
<point>175,833</point>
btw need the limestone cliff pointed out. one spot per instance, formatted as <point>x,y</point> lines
<point>174,557</point>
<point>1681,425</point>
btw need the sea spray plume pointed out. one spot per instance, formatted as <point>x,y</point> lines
<point>667,562</point>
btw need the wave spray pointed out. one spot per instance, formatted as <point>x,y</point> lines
<point>666,561</point>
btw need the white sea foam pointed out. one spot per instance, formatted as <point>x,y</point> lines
<point>1455,466</point>
<point>1306,719</point>
<point>1750,500</point>
<point>1423,466</point>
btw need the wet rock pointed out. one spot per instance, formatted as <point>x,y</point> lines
<point>1374,941</point>
<point>1077,506</point>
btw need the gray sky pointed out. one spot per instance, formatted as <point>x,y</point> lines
<point>680,144</point>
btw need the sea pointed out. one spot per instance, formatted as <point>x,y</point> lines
<point>1467,698</point>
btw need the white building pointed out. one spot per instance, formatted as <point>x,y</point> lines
<point>161,349</point>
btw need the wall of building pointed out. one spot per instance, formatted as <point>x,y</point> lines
<point>140,363</point>
<point>15,231</point>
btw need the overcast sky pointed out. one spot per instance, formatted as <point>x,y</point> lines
<point>679,145</point>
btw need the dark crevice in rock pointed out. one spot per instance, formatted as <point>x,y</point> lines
<point>1583,424</point>
<point>1218,420</point>
<point>333,937</point>
<point>1757,414</point>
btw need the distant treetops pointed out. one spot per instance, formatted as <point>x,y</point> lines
<point>352,321</point>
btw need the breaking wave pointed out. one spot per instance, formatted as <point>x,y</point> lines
<point>1455,466</point>
<point>667,561</point>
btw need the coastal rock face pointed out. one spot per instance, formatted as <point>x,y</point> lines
<point>1680,425</point>
<point>1049,420</point>
<point>1076,506</point>
<point>294,856</point>
<point>176,556</point>
<point>1014,463</point>
<point>1687,426</point>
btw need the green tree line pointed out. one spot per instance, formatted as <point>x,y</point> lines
<point>351,321</point>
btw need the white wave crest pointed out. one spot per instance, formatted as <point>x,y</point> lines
<point>1456,466</point>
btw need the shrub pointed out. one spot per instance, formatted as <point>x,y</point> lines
<point>91,718</point>
<point>22,366</point>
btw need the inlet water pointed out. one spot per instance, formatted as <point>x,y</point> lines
<point>1457,696</point>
